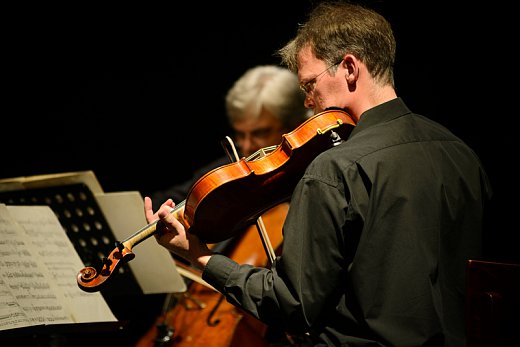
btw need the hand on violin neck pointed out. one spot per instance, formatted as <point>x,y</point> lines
<point>171,234</point>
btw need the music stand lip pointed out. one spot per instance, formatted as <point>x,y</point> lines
<point>64,328</point>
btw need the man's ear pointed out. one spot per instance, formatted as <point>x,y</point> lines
<point>351,65</point>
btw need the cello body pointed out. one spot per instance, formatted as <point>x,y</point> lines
<point>202,317</point>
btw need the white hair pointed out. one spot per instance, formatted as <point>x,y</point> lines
<point>269,87</point>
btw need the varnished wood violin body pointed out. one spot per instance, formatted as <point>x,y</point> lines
<point>227,199</point>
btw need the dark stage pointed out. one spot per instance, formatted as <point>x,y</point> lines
<point>136,93</point>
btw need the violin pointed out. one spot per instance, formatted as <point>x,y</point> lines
<point>228,199</point>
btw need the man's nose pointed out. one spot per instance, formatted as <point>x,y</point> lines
<point>248,146</point>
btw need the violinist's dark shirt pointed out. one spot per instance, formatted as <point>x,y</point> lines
<point>375,241</point>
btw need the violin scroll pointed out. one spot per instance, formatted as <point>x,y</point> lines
<point>90,280</point>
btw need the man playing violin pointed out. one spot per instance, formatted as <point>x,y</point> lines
<point>379,227</point>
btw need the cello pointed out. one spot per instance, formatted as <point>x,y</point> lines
<point>247,189</point>
<point>201,317</point>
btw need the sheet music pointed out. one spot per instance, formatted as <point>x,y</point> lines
<point>27,295</point>
<point>50,241</point>
<point>12,314</point>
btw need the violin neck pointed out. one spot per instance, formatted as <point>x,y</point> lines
<point>150,229</point>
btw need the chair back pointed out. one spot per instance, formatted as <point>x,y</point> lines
<point>492,304</point>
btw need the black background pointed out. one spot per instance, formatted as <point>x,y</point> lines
<point>136,92</point>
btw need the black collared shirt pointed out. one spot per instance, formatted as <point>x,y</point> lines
<point>376,239</point>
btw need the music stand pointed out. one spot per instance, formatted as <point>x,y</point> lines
<point>85,225</point>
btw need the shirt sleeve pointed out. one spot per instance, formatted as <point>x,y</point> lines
<point>302,284</point>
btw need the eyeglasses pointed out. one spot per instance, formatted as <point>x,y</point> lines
<point>308,87</point>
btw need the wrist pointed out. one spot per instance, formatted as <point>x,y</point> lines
<point>201,261</point>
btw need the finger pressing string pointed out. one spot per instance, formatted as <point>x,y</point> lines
<point>160,228</point>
